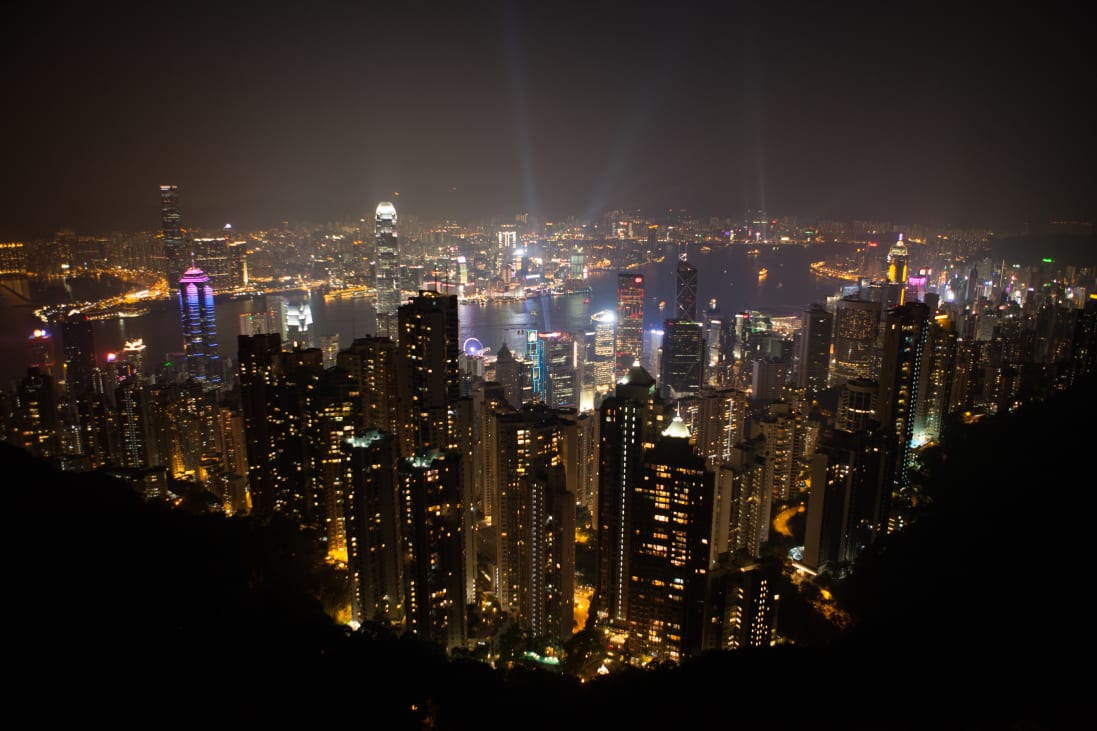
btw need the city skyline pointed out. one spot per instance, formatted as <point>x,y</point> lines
<point>261,114</point>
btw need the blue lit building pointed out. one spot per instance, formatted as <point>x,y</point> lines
<point>199,328</point>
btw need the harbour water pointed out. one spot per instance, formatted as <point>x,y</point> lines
<point>729,276</point>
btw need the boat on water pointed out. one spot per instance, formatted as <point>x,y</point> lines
<point>762,274</point>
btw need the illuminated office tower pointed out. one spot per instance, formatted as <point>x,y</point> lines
<point>559,351</point>
<point>387,270</point>
<point>671,521</point>
<point>719,362</point>
<point>211,255</point>
<point>430,520</point>
<point>653,349</point>
<point>299,330</point>
<point>897,266</point>
<point>199,328</point>
<point>629,336</point>
<point>856,326</point>
<point>813,366</point>
<point>916,286</point>
<point>681,368</point>
<point>577,265</point>
<point>176,256</point>
<point>428,377</point>
<point>629,422</point>
<point>602,360</point>
<point>535,359</point>
<point>79,348</point>
<point>238,264</point>
<point>901,383</point>
<point>685,291</point>
<point>133,353</point>
<point>40,353</point>
<point>535,521</point>
<point>374,564</point>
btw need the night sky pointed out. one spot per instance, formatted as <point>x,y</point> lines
<point>259,112</point>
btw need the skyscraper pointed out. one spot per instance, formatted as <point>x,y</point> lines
<point>601,361</point>
<point>813,368</point>
<point>856,325</point>
<point>199,328</point>
<point>628,422</point>
<point>901,381</point>
<point>175,257</point>
<point>386,269</point>
<point>671,517</point>
<point>630,321</point>
<point>897,267</point>
<point>682,366</point>
<point>685,291</point>
<point>79,347</point>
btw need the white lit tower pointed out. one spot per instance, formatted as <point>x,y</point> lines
<point>387,270</point>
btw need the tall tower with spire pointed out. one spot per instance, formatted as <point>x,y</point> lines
<point>897,266</point>
<point>386,270</point>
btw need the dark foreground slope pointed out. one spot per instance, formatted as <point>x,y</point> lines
<point>138,614</point>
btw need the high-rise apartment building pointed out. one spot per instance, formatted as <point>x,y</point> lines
<point>534,521</point>
<point>431,533</point>
<point>374,565</point>
<point>428,376</point>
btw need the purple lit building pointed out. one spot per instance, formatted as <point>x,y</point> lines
<point>199,328</point>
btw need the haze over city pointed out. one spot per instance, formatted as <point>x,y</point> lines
<point>263,112</point>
